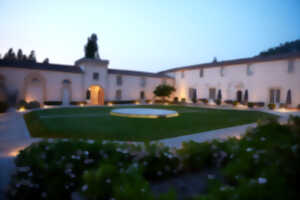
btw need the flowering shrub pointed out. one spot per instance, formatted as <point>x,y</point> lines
<point>264,164</point>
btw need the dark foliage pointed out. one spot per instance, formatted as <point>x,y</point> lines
<point>52,103</point>
<point>287,47</point>
<point>91,48</point>
<point>3,107</point>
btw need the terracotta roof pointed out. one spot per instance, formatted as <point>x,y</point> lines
<point>137,73</point>
<point>40,66</point>
<point>90,60</point>
<point>236,62</point>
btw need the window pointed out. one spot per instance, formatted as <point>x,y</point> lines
<point>35,80</point>
<point>222,71</point>
<point>290,66</point>
<point>275,96</point>
<point>142,95</point>
<point>95,76</point>
<point>143,81</point>
<point>201,73</point>
<point>88,94</point>
<point>212,93</point>
<point>119,80</point>
<point>119,94</point>
<point>66,81</point>
<point>182,74</point>
<point>249,70</point>
<point>193,94</point>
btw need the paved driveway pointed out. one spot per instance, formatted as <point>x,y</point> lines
<point>14,137</point>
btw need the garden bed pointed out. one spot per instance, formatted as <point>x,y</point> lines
<point>264,164</point>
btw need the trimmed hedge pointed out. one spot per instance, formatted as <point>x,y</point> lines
<point>77,103</point>
<point>53,103</point>
<point>204,100</point>
<point>30,105</point>
<point>121,102</point>
<point>3,106</point>
<point>251,104</point>
<point>271,106</point>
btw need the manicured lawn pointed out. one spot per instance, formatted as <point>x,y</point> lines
<point>96,123</point>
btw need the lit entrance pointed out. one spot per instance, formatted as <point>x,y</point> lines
<point>96,95</point>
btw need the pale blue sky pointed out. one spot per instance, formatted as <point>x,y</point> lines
<point>148,35</point>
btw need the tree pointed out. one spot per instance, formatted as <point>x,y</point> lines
<point>246,97</point>
<point>10,55</point>
<point>46,61</point>
<point>20,55</point>
<point>163,91</point>
<point>289,97</point>
<point>91,48</point>
<point>32,57</point>
<point>219,97</point>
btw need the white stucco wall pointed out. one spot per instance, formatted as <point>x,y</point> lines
<point>266,75</point>
<point>131,86</point>
<point>15,80</point>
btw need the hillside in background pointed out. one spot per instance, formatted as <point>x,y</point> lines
<point>288,47</point>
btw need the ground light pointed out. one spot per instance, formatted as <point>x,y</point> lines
<point>110,104</point>
<point>22,109</point>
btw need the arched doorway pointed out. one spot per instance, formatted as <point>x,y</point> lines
<point>239,96</point>
<point>96,95</point>
<point>35,88</point>
<point>66,92</point>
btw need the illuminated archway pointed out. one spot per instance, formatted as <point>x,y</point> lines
<point>34,88</point>
<point>96,95</point>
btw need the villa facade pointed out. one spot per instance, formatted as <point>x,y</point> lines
<point>264,79</point>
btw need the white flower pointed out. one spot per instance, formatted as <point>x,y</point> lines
<point>262,180</point>
<point>23,169</point>
<point>211,176</point>
<point>44,194</point>
<point>90,141</point>
<point>262,139</point>
<point>88,161</point>
<point>84,188</point>
<point>255,156</point>
<point>159,173</point>
<point>108,180</point>
<point>294,148</point>
<point>72,175</point>
<point>145,163</point>
<point>143,190</point>
<point>249,149</point>
<point>86,153</point>
<point>50,140</point>
<point>223,188</point>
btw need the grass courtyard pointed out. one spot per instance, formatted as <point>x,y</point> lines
<point>96,123</point>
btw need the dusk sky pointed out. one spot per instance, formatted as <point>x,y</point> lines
<point>148,35</point>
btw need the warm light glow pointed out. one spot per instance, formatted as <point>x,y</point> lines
<point>110,104</point>
<point>15,151</point>
<point>22,109</point>
<point>166,103</point>
<point>137,103</point>
<point>238,137</point>
<point>150,102</point>
<point>45,106</point>
<point>81,104</point>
